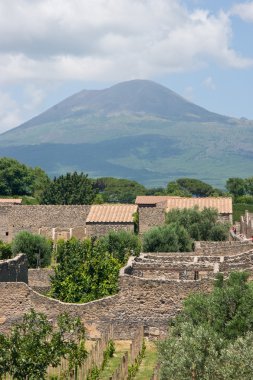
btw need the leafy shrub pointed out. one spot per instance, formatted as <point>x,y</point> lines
<point>37,248</point>
<point>85,272</point>
<point>168,238</point>
<point>219,232</point>
<point>35,343</point>
<point>5,250</point>
<point>201,225</point>
<point>122,244</point>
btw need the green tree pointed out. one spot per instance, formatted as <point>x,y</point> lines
<point>235,361</point>
<point>249,185</point>
<point>200,225</point>
<point>209,339</point>
<point>190,355</point>
<point>69,189</point>
<point>173,188</point>
<point>118,190</point>
<point>195,187</point>
<point>34,344</point>
<point>236,186</point>
<point>37,248</point>
<point>122,244</point>
<point>19,179</point>
<point>85,272</point>
<point>168,238</point>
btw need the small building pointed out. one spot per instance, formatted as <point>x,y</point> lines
<point>110,217</point>
<point>152,209</point>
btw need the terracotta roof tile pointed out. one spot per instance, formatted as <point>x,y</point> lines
<point>223,205</point>
<point>111,213</point>
<point>11,200</point>
<point>152,199</point>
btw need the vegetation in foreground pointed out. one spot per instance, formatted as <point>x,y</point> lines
<point>212,338</point>
<point>34,344</point>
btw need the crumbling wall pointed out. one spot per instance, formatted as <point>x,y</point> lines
<point>222,248</point>
<point>139,302</point>
<point>39,279</point>
<point>14,270</point>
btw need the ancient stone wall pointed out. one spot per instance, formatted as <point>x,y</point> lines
<point>221,248</point>
<point>4,223</point>
<point>151,290</point>
<point>150,217</point>
<point>40,279</point>
<point>139,302</point>
<point>14,270</point>
<point>101,229</point>
<point>34,218</point>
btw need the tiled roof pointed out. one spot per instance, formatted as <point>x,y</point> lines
<point>152,199</point>
<point>223,205</point>
<point>111,213</point>
<point>11,200</point>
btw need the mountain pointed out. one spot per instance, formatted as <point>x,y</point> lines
<point>137,129</point>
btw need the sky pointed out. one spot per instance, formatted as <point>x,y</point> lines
<point>50,49</point>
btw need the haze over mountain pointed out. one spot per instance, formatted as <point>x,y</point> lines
<point>136,129</point>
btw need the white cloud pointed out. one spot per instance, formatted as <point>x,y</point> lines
<point>209,83</point>
<point>12,113</point>
<point>109,39</point>
<point>9,112</point>
<point>243,10</point>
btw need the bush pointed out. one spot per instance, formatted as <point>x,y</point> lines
<point>219,232</point>
<point>201,225</point>
<point>122,244</point>
<point>34,344</point>
<point>5,250</point>
<point>36,247</point>
<point>85,272</point>
<point>168,238</point>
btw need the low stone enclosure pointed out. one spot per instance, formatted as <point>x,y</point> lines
<point>151,289</point>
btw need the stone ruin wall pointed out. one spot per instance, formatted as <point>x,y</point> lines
<point>44,218</point>
<point>14,270</point>
<point>39,279</point>
<point>139,301</point>
<point>101,229</point>
<point>149,298</point>
<point>221,248</point>
<point>150,217</point>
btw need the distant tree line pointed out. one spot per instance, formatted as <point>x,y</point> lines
<point>34,186</point>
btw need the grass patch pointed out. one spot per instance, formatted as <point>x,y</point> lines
<point>148,362</point>
<point>113,363</point>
